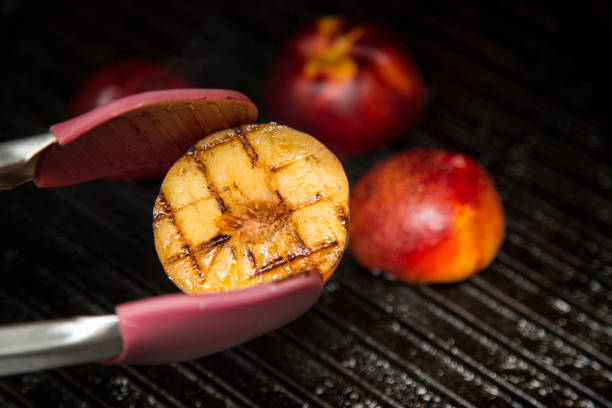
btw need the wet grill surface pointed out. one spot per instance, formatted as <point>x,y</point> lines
<point>514,85</point>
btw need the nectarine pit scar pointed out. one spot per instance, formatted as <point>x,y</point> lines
<point>254,221</point>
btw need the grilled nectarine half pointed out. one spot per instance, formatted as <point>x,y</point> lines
<point>249,205</point>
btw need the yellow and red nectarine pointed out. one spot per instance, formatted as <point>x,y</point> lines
<point>426,216</point>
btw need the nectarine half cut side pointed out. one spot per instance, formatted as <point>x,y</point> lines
<point>250,205</point>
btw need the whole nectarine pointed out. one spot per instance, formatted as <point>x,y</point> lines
<point>351,84</point>
<point>426,216</point>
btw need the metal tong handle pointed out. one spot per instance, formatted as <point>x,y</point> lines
<point>54,343</point>
<point>19,158</point>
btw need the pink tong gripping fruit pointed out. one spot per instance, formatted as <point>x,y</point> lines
<point>145,131</point>
<point>150,130</point>
<point>161,329</point>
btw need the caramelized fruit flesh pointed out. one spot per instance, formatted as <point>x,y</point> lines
<point>250,205</point>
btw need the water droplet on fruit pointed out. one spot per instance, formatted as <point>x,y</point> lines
<point>432,219</point>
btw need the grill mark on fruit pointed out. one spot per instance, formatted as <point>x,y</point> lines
<point>280,197</point>
<point>290,257</point>
<point>159,212</point>
<point>175,258</point>
<point>179,235</point>
<point>220,203</point>
<point>276,167</point>
<point>318,197</point>
<point>251,257</point>
<point>299,240</point>
<point>193,203</point>
<point>274,264</point>
<point>316,249</point>
<point>216,251</point>
<point>248,147</point>
<point>214,241</point>
<point>231,138</point>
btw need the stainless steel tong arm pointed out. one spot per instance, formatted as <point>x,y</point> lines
<point>53,343</point>
<point>18,159</point>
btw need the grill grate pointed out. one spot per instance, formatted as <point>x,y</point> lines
<point>512,84</point>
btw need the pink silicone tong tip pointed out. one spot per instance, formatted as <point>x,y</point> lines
<point>141,132</point>
<point>174,328</point>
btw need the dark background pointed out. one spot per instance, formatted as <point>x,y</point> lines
<point>518,86</point>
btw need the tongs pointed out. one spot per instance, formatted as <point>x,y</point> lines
<point>150,130</point>
<point>144,131</point>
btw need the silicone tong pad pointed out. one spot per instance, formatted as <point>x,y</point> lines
<point>143,131</point>
<point>173,328</point>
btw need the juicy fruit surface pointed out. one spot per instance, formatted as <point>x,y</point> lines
<point>249,205</point>
<point>426,216</point>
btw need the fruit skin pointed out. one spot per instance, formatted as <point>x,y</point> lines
<point>426,216</point>
<point>351,84</point>
<point>250,205</point>
<point>121,78</point>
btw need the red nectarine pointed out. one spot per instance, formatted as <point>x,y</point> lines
<point>426,216</point>
<point>351,84</point>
